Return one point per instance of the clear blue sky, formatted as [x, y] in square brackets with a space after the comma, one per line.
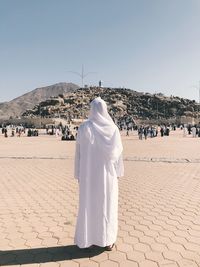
[146, 45]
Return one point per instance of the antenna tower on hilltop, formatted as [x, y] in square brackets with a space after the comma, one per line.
[82, 74]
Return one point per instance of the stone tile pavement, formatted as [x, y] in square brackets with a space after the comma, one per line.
[159, 207]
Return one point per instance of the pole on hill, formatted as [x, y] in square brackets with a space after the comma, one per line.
[82, 74]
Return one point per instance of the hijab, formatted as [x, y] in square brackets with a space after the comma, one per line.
[103, 131]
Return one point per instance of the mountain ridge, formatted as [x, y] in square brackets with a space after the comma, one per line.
[18, 105]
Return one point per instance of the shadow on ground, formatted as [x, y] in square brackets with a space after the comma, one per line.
[42, 255]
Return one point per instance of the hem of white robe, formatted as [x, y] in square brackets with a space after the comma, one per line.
[94, 244]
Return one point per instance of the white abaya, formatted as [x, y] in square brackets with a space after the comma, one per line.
[98, 163]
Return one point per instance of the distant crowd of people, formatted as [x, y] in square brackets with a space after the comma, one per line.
[15, 131]
[12, 131]
[148, 131]
[164, 130]
[69, 132]
[66, 132]
[193, 130]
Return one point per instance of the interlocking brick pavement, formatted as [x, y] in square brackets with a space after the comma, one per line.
[159, 204]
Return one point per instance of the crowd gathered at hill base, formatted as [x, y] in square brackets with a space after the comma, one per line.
[69, 132]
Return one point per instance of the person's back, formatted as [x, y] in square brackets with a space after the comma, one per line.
[98, 163]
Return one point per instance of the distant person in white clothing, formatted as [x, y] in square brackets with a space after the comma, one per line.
[57, 132]
[185, 131]
[98, 164]
[194, 131]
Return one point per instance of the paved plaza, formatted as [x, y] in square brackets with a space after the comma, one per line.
[159, 204]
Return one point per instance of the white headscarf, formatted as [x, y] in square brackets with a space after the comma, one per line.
[103, 131]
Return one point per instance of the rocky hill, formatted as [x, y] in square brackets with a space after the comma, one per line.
[20, 104]
[123, 104]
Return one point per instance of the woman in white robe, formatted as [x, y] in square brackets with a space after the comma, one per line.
[98, 164]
